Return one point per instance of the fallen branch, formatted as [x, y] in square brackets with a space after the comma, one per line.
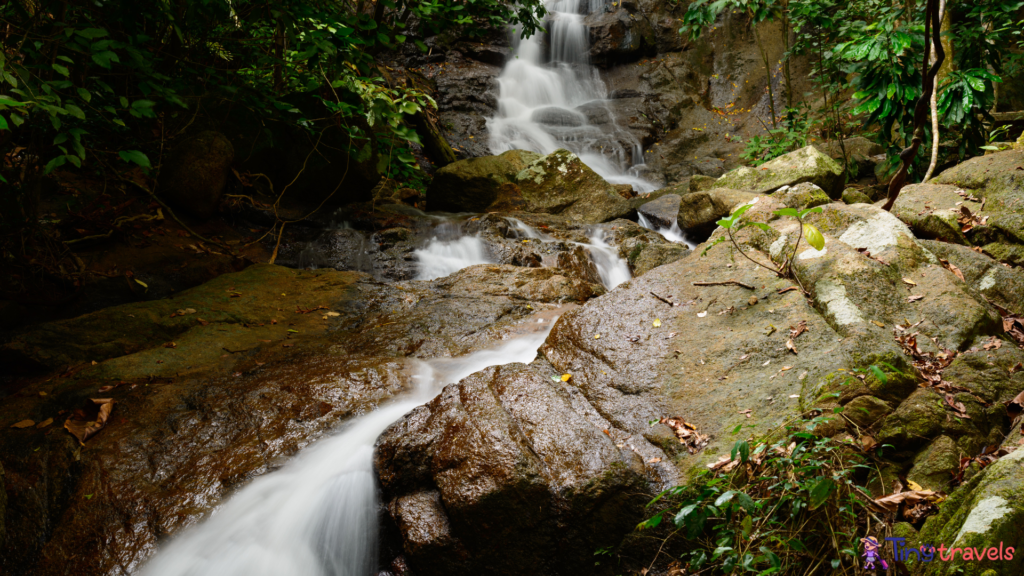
[663, 299]
[726, 283]
[175, 216]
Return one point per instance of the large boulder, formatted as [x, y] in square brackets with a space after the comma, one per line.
[196, 172]
[477, 184]
[998, 179]
[859, 152]
[700, 210]
[803, 165]
[560, 183]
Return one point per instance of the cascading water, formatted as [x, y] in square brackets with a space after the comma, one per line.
[317, 516]
[448, 251]
[543, 107]
[610, 266]
[673, 233]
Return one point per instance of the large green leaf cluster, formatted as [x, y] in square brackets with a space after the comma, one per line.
[112, 80]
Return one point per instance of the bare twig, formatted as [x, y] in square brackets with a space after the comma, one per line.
[726, 283]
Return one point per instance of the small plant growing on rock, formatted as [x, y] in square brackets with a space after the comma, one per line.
[735, 222]
[770, 507]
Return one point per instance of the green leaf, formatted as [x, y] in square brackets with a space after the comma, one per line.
[135, 156]
[725, 497]
[92, 33]
[739, 211]
[5, 101]
[62, 70]
[75, 111]
[84, 94]
[53, 164]
[791, 212]
[813, 236]
[105, 58]
[877, 372]
[3, 123]
[820, 492]
[815, 210]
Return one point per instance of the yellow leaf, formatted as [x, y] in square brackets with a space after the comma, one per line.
[657, 323]
[24, 424]
[910, 282]
[566, 377]
[141, 283]
[877, 323]
[596, 336]
[914, 485]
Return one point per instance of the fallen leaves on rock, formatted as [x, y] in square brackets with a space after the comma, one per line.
[790, 346]
[928, 364]
[911, 505]
[170, 345]
[24, 424]
[300, 310]
[958, 407]
[184, 312]
[84, 423]
[687, 434]
[988, 455]
[657, 323]
[795, 331]
[969, 220]
[994, 343]
[1015, 407]
[45, 423]
[952, 268]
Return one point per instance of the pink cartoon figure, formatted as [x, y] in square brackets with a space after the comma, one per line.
[871, 547]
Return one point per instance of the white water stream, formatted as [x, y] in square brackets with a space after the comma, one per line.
[549, 94]
[317, 516]
[673, 233]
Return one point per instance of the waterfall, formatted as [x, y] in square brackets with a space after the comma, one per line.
[673, 233]
[317, 516]
[610, 266]
[448, 251]
[548, 101]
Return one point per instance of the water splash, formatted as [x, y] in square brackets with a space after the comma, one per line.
[673, 233]
[610, 266]
[548, 101]
[317, 516]
[448, 251]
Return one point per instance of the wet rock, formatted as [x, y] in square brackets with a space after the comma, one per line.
[663, 211]
[644, 249]
[467, 96]
[477, 184]
[614, 35]
[700, 210]
[426, 534]
[519, 467]
[517, 283]
[804, 165]
[560, 183]
[196, 171]
[555, 116]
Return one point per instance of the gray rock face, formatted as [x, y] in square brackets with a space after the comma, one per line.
[663, 211]
[804, 165]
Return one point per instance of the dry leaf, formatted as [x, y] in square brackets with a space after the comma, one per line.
[702, 314]
[657, 323]
[797, 330]
[909, 282]
[789, 345]
[24, 424]
[45, 423]
[566, 377]
[877, 323]
[654, 460]
[914, 298]
[170, 345]
[85, 423]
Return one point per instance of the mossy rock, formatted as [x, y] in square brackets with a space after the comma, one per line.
[803, 165]
[934, 466]
[700, 183]
[803, 195]
[477, 184]
[854, 196]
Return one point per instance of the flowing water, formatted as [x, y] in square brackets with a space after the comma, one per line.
[673, 233]
[317, 516]
[550, 97]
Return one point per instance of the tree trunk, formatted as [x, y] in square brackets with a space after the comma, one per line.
[434, 143]
[944, 70]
